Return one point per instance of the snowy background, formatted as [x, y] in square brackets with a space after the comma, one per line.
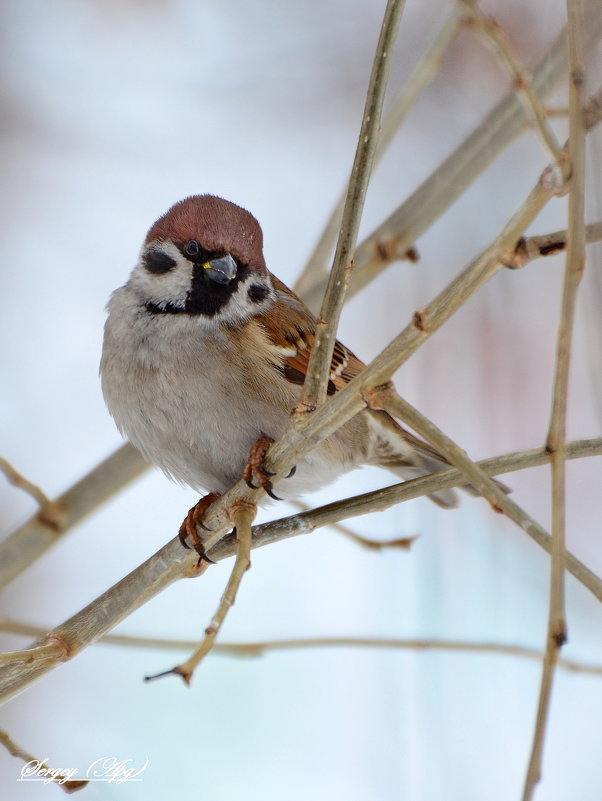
[111, 112]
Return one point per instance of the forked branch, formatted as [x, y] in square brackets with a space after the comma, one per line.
[522, 81]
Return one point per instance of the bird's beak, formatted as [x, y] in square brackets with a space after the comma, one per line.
[221, 270]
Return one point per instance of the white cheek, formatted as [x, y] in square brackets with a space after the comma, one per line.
[162, 288]
[239, 308]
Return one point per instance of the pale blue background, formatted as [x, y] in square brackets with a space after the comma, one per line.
[114, 110]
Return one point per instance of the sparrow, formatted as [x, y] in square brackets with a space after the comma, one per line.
[204, 356]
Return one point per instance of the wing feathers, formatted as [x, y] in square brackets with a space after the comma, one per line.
[290, 326]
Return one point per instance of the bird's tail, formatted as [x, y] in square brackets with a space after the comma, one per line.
[398, 450]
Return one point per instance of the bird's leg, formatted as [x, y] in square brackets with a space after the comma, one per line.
[256, 468]
[188, 529]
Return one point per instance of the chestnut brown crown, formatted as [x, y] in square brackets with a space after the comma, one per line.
[216, 224]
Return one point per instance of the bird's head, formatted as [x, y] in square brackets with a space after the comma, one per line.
[204, 257]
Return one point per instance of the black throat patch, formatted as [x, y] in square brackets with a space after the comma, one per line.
[205, 296]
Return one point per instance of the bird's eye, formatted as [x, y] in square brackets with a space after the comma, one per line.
[157, 261]
[191, 248]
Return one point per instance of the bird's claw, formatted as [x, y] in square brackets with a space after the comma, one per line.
[255, 467]
[188, 535]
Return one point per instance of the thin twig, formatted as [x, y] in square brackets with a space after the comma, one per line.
[260, 647]
[51, 513]
[575, 263]
[556, 439]
[400, 543]
[21, 548]
[318, 368]
[495, 36]
[534, 247]
[172, 562]
[543, 707]
[61, 779]
[424, 72]
[242, 518]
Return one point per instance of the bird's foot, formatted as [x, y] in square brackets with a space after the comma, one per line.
[256, 469]
[188, 530]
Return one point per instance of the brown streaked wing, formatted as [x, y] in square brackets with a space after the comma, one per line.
[290, 326]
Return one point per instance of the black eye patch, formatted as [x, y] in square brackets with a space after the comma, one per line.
[257, 292]
[157, 261]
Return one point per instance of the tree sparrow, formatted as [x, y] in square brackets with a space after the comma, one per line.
[205, 352]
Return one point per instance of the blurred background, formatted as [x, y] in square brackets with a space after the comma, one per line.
[112, 111]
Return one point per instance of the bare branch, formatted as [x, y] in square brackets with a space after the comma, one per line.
[51, 513]
[19, 550]
[402, 543]
[575, 263]
[260, 647]
[318, 369]
[534, 247]
[496, 37]
[556, 440]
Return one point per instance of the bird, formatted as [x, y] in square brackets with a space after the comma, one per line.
[204, 355]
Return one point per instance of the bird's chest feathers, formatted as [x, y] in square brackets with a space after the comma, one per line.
[203, 390]
[194, 401]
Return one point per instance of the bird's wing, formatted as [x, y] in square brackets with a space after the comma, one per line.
[290, 326]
